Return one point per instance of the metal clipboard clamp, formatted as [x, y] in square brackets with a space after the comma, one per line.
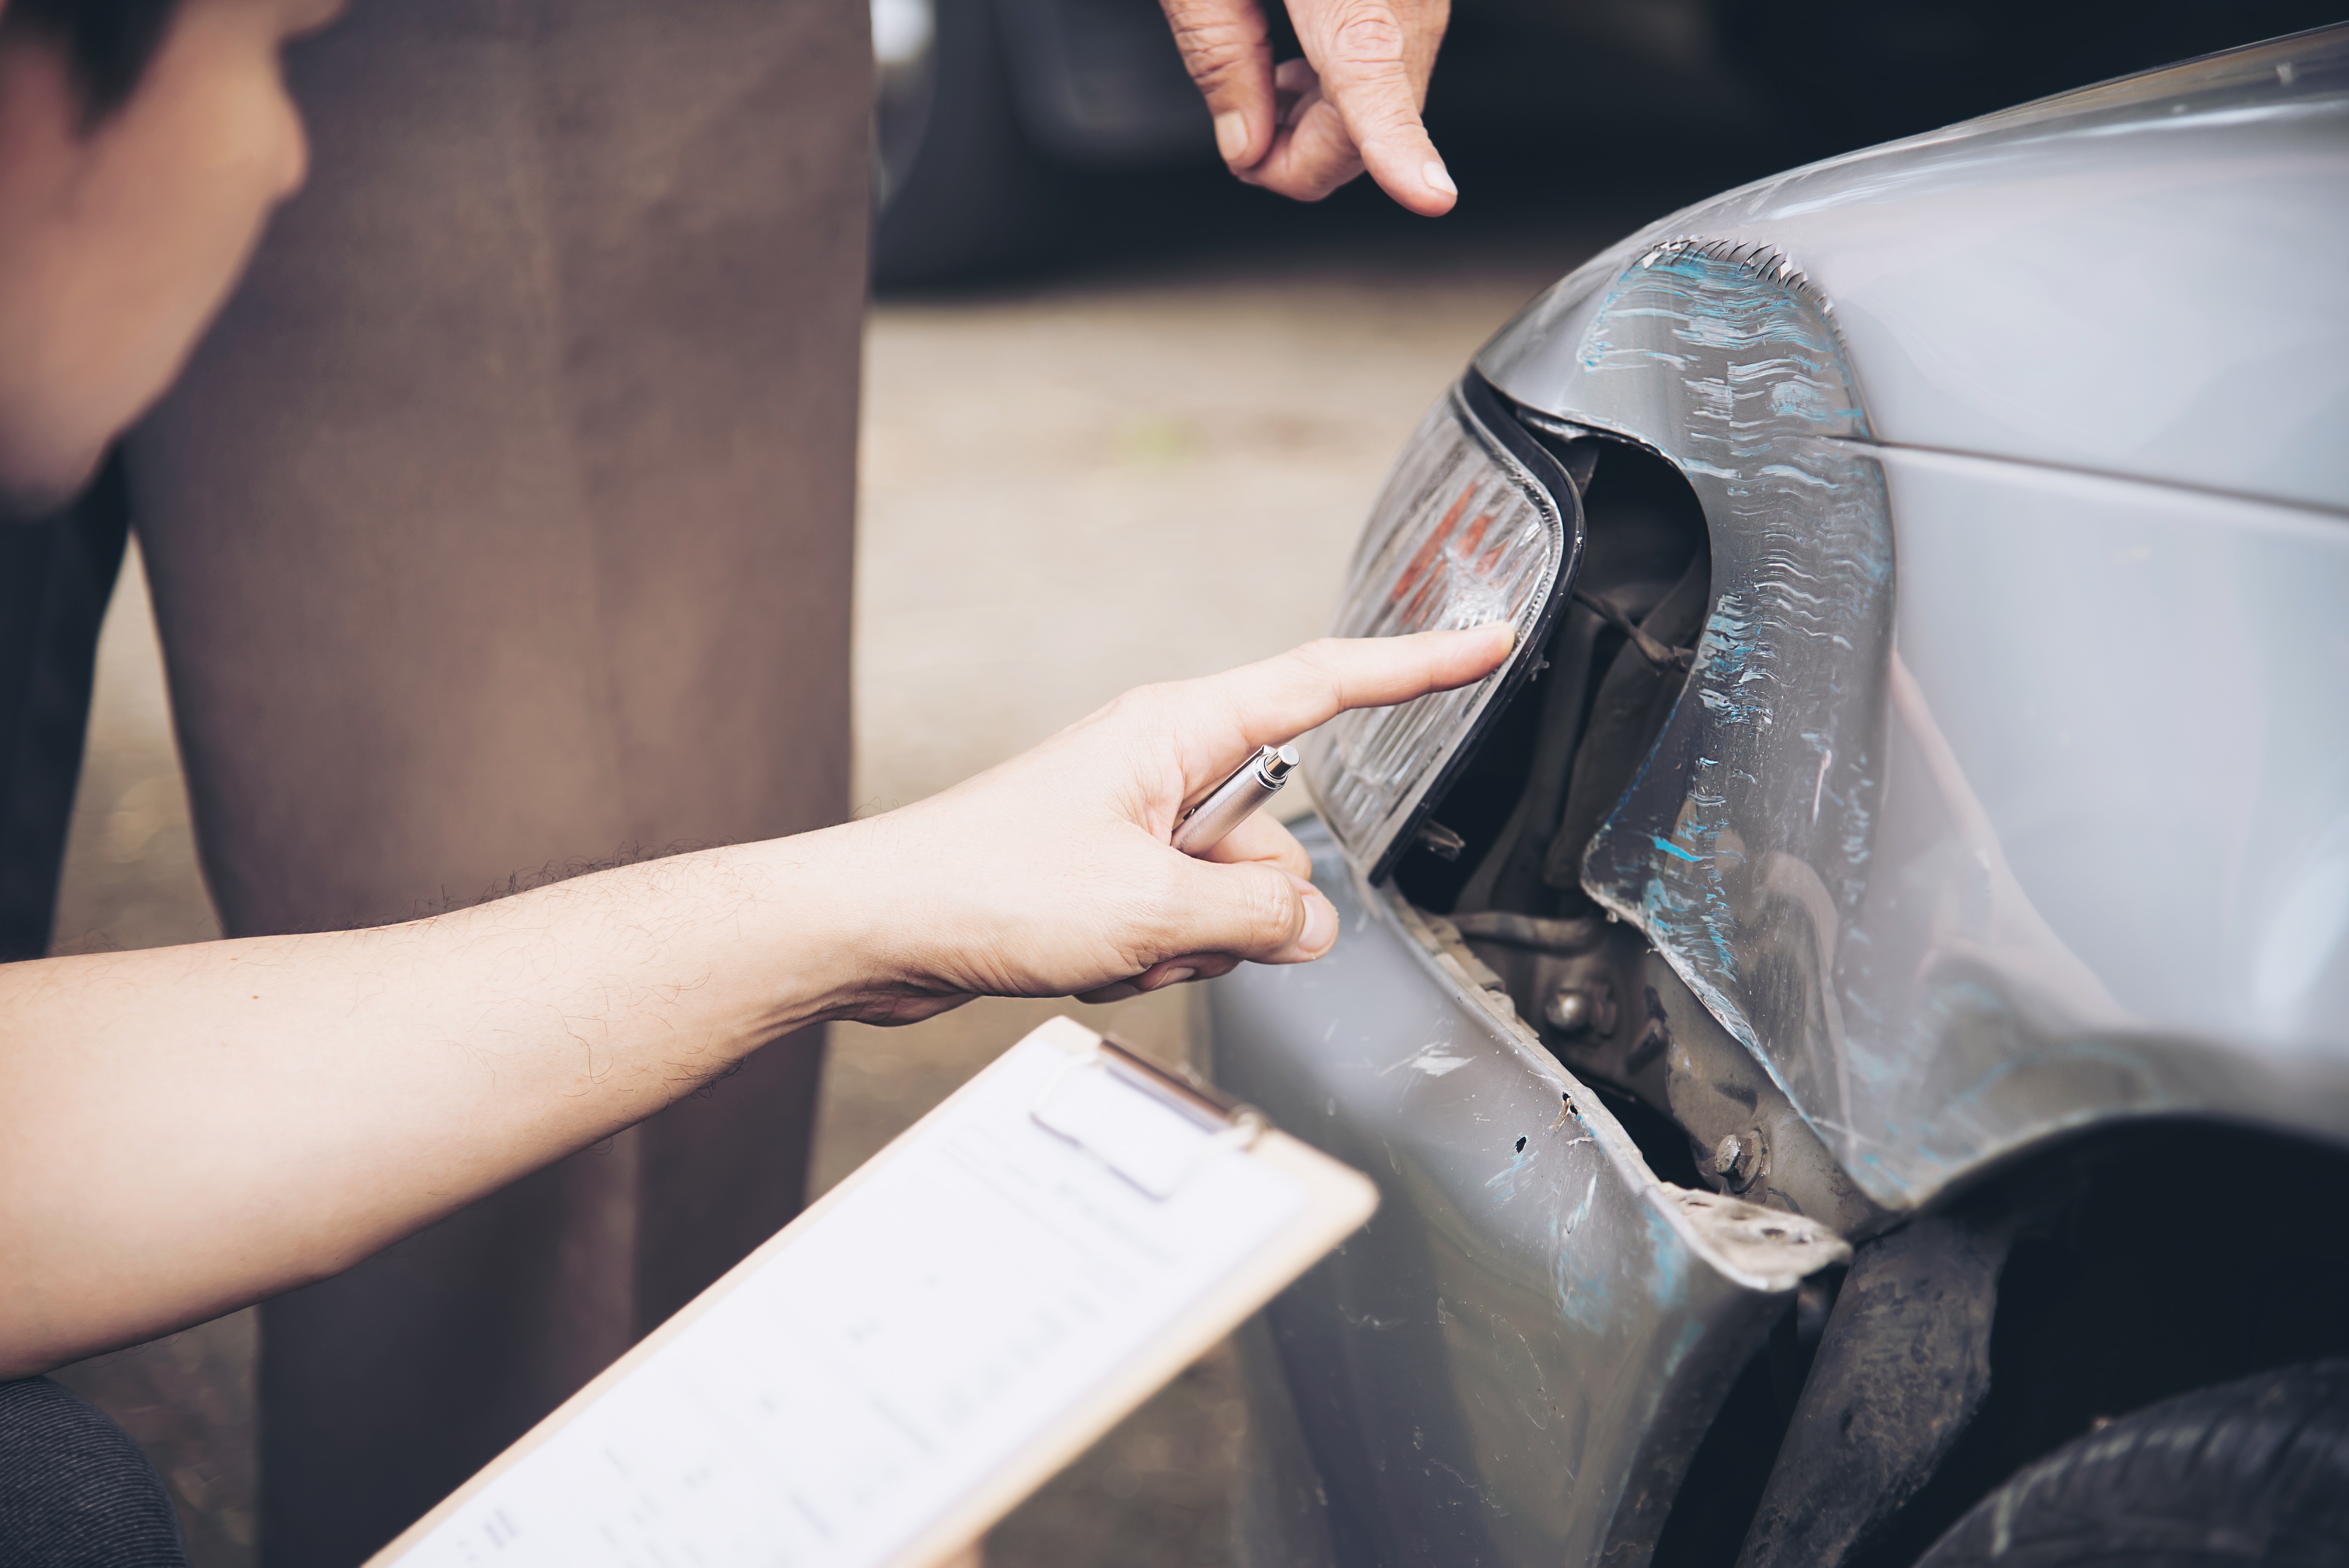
[1152, 1125]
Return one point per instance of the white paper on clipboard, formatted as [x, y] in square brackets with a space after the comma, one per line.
[902, 1364]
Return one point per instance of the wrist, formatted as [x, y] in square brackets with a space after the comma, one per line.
[846, 933]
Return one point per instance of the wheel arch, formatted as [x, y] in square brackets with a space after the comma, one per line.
[2099, 1271]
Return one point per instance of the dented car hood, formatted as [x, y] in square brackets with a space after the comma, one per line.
[2144, 279]
[2010, 793]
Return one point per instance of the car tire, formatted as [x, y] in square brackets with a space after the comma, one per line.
[958, 190]
[2255, 1471]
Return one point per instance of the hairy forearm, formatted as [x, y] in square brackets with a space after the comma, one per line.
[189, 1129]
[186, 1129]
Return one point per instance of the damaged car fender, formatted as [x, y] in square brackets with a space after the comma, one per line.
[1513, 1361]
[2057, 833]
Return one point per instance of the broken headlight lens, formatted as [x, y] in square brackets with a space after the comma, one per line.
[1477, 524]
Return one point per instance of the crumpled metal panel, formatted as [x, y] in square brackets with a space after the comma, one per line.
[1741, 848]
[2056, 860]
[2074, 851]
[2074, 846]
[1513, 1361]
[2143, 278]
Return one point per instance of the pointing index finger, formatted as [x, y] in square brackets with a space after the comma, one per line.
[1373, 61]
[1282, 698]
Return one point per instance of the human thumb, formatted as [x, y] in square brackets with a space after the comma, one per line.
[1253, 911]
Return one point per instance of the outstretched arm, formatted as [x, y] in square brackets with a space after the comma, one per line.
[186, 1129]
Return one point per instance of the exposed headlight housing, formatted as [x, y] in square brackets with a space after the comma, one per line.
[1477, 524]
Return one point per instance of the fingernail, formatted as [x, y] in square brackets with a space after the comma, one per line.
[1320, 919]
[1320, 926]
[1431, 171]
[1231, 135]
[1175, 976]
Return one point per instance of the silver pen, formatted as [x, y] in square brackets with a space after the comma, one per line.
[1254, 782]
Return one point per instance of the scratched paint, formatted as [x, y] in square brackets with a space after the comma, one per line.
[1510, 1180]
[1479, 1375]
[1742, 849]
[1583, 1278]
[1432, 1059]
[1509, 1417]
[1882, 954]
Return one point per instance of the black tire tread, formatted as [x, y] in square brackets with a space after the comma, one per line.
[2254, 1472]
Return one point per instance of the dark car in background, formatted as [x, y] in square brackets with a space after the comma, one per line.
[991, 114]
[1851, 1024]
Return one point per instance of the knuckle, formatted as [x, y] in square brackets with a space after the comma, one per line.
[1314, 181]
[1368, 36]
[1271, 915]
[1143, 706]
[1218, 51]
[1323, 658]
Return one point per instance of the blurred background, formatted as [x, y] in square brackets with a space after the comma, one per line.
[1002, 125]
[1123, 418]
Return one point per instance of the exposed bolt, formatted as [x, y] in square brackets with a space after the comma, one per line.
[1579, 1008]
[1570, 1010]
[1737, 1159]
[1440, 841]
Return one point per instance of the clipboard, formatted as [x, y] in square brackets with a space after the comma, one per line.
[932, 1340]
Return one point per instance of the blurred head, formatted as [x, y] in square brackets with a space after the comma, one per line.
[142, 144]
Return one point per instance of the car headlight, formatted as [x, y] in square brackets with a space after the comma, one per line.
[1477, 524]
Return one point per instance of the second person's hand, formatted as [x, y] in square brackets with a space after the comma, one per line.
[1352, 102]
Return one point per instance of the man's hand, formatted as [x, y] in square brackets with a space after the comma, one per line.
[1351, 103]
[190, 1128]
[1051, 874]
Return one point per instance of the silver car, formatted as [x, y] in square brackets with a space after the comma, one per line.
[1852, 1024]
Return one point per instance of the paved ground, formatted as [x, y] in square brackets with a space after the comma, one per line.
[1151, 469]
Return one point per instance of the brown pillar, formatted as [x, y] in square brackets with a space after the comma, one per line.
[503, 524]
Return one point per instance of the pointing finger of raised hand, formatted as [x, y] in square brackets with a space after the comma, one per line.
[1373, 61]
